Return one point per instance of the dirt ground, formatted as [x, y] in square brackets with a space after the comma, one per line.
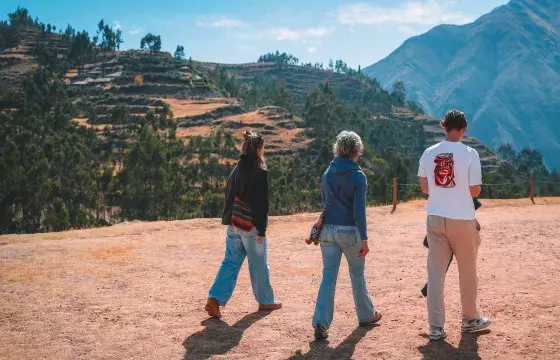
[182, 108]
[137, 291]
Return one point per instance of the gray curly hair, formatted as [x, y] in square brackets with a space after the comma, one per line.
[347, 144]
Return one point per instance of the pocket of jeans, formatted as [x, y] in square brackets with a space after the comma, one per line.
[252, 233]
[326, 234]
[347, 237]
[230, 231]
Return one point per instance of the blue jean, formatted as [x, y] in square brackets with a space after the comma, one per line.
[335, 241]
[241, 244]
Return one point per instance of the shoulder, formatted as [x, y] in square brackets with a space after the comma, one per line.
[431, 150]
[472, 152]
[426, 154]
[359, 177]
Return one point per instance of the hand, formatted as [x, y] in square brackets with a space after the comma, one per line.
[260, 239]
[364, 250]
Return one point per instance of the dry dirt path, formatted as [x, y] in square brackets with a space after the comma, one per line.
[137, 291]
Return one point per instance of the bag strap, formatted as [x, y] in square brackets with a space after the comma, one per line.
[337, 189]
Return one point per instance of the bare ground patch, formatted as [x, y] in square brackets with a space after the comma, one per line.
[137, 291]
[186, 107]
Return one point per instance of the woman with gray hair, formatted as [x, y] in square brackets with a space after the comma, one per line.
[344, 231]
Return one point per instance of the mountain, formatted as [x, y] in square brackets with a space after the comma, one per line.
[503, 70]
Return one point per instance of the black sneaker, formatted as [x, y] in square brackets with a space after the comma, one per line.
[321, 333]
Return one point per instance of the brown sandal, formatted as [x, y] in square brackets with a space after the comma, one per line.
[213, 308]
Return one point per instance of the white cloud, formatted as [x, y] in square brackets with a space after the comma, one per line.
[117, 25]
[293, 35]
[246, 36]
[134, 31]
[407, 30]
[219, 22]
[246, 48]
[286, 34]
[428, 12]
[312, 49]
[320, 31]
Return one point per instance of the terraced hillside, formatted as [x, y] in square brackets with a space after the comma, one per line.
[299, 79]
[185, 88]
[142, 82]
[18, 61]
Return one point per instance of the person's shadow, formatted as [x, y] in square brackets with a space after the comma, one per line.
[442, 350]
[218, 337]
[321, 349]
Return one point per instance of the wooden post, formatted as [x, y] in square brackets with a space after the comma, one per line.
[532, 193]
[394, 195]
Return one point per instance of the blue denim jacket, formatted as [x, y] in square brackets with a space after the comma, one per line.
[349, 206]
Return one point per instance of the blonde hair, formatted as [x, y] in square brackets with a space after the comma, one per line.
[348, 144]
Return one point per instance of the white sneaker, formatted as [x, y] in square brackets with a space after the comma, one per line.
[437, 333]
[477, 324]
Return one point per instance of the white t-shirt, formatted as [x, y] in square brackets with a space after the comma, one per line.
[451, 168]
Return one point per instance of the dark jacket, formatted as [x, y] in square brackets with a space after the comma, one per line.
[250, 183]
[348, 207]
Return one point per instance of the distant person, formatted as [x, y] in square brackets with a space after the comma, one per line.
[450, 173]
[246, 217]
[344, 188]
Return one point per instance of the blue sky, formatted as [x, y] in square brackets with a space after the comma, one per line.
[359, 32]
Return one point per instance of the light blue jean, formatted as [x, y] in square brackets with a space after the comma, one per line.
[241, 244]
[335, 241]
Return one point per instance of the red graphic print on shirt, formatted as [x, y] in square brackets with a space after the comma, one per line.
[444, 170]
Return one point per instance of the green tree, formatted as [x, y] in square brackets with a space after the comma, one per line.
[119, 118]
[80, 51]
[282, 97]
[20, 17]
[399, 93]
[106, 38]
[151, 42]
[179, 52]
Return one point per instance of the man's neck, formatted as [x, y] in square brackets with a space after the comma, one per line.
[453, 139]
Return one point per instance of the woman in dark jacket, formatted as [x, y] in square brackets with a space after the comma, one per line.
[246, 217]
[344, 188]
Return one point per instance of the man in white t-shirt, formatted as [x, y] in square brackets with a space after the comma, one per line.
[450, 174]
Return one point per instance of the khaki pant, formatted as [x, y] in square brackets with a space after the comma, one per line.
[460, 237]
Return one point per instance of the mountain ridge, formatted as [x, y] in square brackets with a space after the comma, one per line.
[503, 70]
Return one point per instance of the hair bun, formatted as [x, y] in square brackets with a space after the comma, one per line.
[246, 135]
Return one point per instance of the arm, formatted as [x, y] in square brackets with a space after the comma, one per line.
[360, 192]
[424, 185]
[475, 175]
[229, 197]
[261, 204]
[423, 176]
[323, 198]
